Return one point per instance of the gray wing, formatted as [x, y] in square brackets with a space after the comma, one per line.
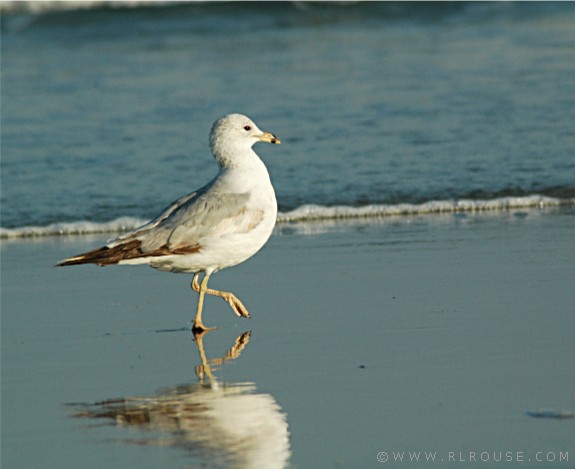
[141, 231]
[205, 213]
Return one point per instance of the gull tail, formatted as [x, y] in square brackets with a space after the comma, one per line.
[106, 255]
[130, 250]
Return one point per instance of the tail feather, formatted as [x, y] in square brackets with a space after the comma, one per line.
[106, 255]
[128, 250]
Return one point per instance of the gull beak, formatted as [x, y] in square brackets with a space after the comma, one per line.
[269, 138]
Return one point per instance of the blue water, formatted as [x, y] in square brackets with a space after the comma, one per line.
[106, 111]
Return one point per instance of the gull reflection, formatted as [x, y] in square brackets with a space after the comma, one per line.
[222, 424]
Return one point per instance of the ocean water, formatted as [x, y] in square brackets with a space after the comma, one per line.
[382, 108]
[429, 148]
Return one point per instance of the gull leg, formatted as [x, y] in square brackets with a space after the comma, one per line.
[202, 289]
[232, 299]
[195, 284]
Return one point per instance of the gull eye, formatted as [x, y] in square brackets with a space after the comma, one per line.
[247, 128]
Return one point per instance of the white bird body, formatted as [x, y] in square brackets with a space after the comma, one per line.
[237, 214]
[220, 225]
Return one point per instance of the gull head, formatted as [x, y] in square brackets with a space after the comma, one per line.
[235, 134]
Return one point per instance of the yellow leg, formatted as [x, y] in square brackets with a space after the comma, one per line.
[232, 299]
[202, 289]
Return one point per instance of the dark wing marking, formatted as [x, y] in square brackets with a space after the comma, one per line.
[121, 252]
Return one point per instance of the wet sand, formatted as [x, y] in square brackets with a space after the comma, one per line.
[449, 336]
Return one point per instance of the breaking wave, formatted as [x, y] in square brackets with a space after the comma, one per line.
[308, 213]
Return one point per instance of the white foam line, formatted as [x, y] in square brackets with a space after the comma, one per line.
[309, 213]
[73, 228]
[46, 6]
[318, 212]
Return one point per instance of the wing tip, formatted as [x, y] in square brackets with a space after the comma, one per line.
[69, 261]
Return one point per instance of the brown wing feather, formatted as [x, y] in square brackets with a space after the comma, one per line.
[129, 250]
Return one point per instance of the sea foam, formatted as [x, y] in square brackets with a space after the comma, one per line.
[43, 6]
[72, 228]
[309, 213]
[318, 212]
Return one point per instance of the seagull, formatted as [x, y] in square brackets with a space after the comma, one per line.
[217, 226]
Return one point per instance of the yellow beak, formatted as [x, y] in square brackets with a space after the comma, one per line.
[269, 138]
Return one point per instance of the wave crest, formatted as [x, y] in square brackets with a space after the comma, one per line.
[72, 228]
[310, 213]
[318, 212]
